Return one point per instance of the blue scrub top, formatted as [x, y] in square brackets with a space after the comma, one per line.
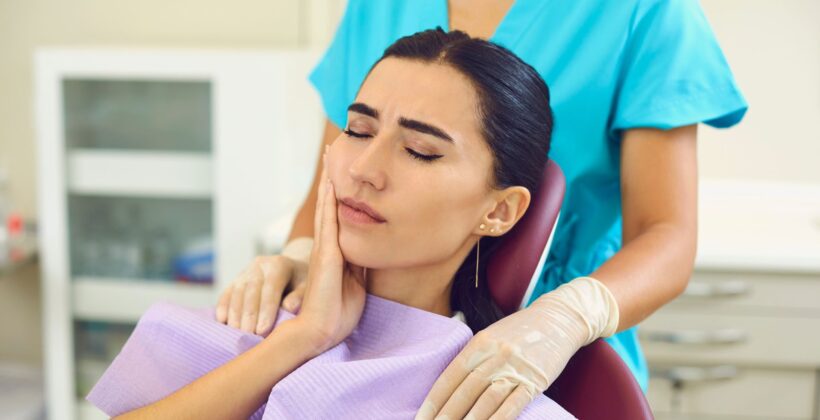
[610, 66]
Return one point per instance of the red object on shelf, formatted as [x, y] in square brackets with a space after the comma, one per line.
[14, 224]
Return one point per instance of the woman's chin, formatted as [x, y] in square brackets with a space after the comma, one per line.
[357, 250]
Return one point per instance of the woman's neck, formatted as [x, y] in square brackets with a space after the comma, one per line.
[424, 287]
[412, 287]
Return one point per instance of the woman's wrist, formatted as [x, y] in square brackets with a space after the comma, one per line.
[299, 337]
[587, 301]
[303, 336]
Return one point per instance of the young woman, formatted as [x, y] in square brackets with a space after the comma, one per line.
[447, 137]
[630, 80]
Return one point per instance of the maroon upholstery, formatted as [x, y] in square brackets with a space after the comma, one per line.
[596, 383]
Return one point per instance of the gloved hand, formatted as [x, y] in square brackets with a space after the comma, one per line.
[251, 301]
[506, 365]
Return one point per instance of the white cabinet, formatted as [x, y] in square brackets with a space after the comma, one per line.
[157, 170]
[743, 341]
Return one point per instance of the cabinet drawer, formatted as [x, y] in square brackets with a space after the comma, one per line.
[670, 336]
[750, 393]
[715, 290]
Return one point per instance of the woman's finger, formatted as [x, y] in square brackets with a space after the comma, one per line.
[250, 301]
[316, 253]
[513, 405]
[330, 227]
[492, 398]
[235, 310]
[320, 193]
[327, 236]
[222, 306]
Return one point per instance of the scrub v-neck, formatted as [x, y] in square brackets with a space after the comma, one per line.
[509, 28]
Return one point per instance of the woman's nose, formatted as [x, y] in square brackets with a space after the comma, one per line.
[369, 165]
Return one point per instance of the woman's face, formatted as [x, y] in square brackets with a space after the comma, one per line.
[429, 207]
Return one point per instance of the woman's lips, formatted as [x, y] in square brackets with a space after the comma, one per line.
[356, 216]
[362, 207]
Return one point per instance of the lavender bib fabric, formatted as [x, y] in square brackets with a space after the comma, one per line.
[383, 370]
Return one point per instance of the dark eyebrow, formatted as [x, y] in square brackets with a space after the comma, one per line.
[425, 128]
[363, 109]
[416, 125]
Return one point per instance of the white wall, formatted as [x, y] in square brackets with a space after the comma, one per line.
[774, 50]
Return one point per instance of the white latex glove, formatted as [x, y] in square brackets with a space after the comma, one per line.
[251, 301]
[506, 365]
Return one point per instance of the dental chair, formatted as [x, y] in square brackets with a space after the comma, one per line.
[596, 383]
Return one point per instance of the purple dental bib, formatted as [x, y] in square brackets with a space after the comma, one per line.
[383, 370]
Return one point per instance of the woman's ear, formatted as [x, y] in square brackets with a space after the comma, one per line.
[510, 205]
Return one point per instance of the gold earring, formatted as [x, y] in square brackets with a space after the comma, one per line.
[482, 226]
[477, 255]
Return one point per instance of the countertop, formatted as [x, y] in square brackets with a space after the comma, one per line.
[758, 226]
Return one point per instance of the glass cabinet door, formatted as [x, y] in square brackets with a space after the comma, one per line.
[139, 208]
[126, 142]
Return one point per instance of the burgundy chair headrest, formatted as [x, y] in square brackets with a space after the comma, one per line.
[597, 384]
[515, 266]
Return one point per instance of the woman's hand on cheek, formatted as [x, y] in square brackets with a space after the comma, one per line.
[335, 289]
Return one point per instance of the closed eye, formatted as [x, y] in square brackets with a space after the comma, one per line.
[414, 154]
[355, 134]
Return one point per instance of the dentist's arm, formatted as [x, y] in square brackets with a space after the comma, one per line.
[659, 181]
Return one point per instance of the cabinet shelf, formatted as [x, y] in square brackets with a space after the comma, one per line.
[125, 300]
[140, 173]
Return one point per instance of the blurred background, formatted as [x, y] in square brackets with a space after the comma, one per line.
[124, 136]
